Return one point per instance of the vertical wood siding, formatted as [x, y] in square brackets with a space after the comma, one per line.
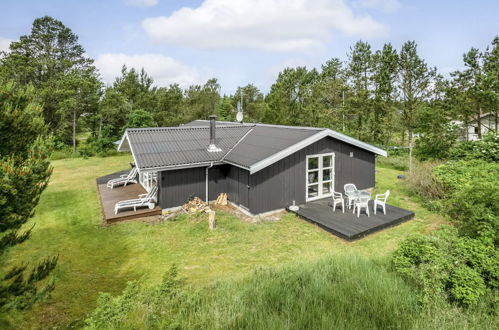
[278, 185]
[275, 186]
[177, 186]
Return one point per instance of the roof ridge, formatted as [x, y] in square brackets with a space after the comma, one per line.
[165, 128]
[237, 143]
[269, 125]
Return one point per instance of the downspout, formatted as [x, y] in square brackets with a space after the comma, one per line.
[207, 180]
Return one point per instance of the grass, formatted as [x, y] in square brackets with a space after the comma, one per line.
[335, 292]
[94, 258]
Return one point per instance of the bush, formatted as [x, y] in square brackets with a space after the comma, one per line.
[485, 149]
[472, 197]
[460, 264]
[444, 265]
[466, 285]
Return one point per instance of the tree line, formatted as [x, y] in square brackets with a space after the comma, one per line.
[383, 96]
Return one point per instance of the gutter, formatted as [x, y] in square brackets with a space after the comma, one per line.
[207, 180]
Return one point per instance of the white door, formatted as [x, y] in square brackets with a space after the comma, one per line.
[319, 176]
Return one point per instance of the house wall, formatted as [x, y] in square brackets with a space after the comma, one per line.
[470, 132]
[177, 186]
[277, 185]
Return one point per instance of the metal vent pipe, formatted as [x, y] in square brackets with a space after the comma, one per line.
[213, 118]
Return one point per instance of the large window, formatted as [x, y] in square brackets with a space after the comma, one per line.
[320, 176]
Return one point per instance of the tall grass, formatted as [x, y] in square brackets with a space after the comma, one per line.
[336, 292]
[424, 183]
[347, 292]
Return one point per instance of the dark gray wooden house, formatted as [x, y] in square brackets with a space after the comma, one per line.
[261, 167]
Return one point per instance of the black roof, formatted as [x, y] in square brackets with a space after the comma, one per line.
[263, 141]
[250, 146]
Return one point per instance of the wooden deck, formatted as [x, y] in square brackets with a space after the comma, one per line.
[109, 197]
[347, 225]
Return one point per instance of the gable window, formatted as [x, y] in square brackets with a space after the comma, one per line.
[320, 176]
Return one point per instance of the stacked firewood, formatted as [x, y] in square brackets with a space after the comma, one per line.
[221, 199]
[196, 205]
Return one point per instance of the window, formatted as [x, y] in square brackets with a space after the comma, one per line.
[148, 179]
[320, 176]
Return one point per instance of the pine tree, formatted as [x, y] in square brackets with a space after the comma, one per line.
[49, 58]
[385, 65]
[415, 81]
[359, 76]
[24, 174]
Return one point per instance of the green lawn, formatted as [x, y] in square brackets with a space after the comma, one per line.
[95, 258]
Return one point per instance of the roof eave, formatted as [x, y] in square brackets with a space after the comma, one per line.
[180, 166]
[308, 141]
[357, 143]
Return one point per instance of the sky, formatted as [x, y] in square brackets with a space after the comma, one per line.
[251, 41]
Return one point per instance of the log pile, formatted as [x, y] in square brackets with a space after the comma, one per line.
[196, 205]
[221, 199]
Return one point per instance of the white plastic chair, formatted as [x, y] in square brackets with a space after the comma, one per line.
[123, 179]
[148, 200]
[361, 202]
[349, 188]
[338, 199]
[381, 201]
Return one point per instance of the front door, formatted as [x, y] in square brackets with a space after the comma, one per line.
[319, 176]
[243, 188]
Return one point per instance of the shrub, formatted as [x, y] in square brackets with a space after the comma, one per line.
[461, 264]
[485, 149]
[444, 265]
[466, 285]
[472, 198]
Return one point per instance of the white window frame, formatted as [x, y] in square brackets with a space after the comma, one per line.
[148, 180]
[320, 180]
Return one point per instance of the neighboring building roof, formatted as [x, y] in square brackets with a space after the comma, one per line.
[250, 146]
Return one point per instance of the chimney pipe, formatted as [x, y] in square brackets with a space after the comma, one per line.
[212, 147]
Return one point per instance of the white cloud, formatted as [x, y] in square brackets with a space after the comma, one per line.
[276, 25]
[143, 3]
[386, 5]
[163, 69]
[4, 44]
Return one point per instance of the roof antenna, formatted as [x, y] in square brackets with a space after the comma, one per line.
[239, 115]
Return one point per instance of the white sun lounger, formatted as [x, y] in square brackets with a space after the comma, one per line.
[148, 200]
[123, 179]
